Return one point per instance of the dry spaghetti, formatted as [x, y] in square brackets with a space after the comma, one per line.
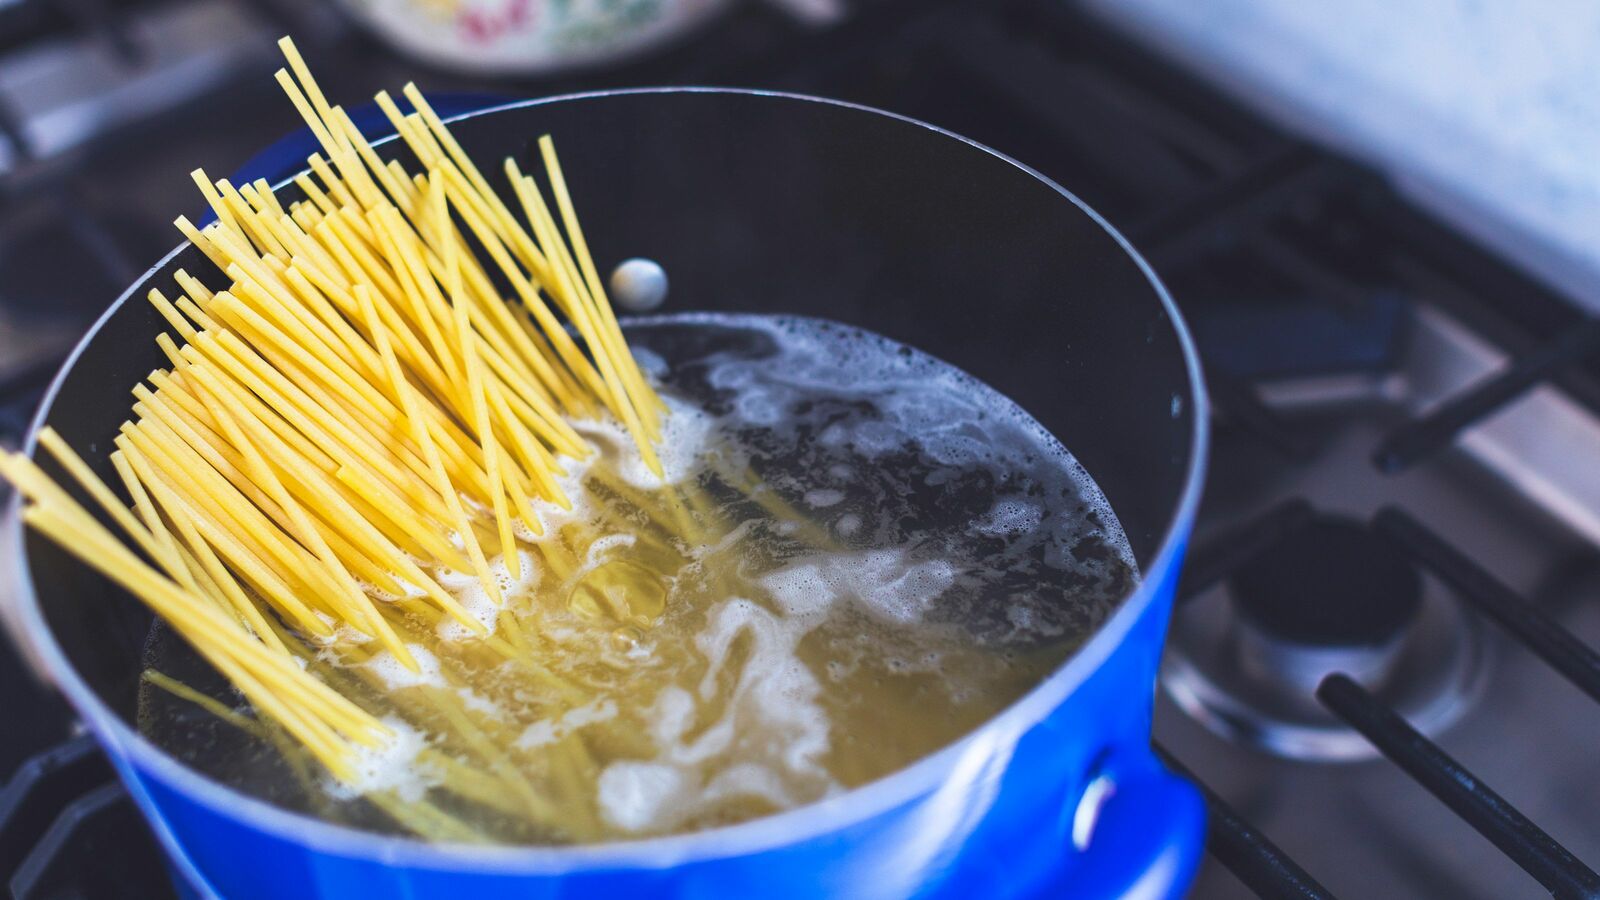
[356, 411]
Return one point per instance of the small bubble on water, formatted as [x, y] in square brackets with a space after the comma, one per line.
[626, 639]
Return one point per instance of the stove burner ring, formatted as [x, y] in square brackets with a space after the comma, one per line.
[1334, 596]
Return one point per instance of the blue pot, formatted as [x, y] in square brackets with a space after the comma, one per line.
[771, 203]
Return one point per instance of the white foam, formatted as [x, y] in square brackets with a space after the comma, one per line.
[475, 701]
[551, 515]
[803, 591]
[822, 498]
[890, 587]
[748, 780]
[548, 731]
[1009, 517]
[395, 675]
[599, 710]
[686, 433]
[888, 584]
[1025, 619]
[392, 765]
[639, 795]
[469, 591]
[772, 731]
[538, 734]
[600, 549]
[346, 634]
[921, 403]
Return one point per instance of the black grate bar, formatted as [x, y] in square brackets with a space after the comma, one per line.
[26, 882]
[1108, 134]
[74, 857]
[1524, 842]
[38, 789]
[1237, 400]
[107, 23]
[14, 386]
[1219, 556]
[11, 129]
[1294, 264]
[1250, 855]
[1574, 659]
[273, 14]
[1232, 206]
[95, 239]
[1422, 437]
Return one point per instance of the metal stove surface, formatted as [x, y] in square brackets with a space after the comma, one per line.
[1336, 322]
[1363, 827]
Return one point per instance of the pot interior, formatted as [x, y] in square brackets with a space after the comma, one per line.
[762, 203]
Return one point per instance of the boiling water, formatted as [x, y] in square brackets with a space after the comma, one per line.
[857, 555]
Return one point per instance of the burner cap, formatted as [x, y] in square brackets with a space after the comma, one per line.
[1332, 583]
[1331, 596]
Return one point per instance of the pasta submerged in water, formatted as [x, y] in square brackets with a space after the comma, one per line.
[479, 575]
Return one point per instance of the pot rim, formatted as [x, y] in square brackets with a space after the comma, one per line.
[757, 835]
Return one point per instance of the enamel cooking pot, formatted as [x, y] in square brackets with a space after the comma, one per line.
[768, 203]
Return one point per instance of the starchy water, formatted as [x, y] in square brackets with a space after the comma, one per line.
[857, 554]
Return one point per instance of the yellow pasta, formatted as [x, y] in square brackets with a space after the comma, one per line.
[352, 416]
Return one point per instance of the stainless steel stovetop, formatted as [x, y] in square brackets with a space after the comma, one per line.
[1406, 482]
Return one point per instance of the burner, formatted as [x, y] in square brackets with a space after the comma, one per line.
[65, 263]
[1331, 596]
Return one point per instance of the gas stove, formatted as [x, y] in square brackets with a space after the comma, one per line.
[1381, 668]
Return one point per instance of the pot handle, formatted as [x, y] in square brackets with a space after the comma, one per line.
[1138, 830]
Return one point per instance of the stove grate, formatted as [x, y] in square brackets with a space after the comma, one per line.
[1437, 430]
[1250, 855]
[1474, 801]
[1557, 646]
[1265, 868]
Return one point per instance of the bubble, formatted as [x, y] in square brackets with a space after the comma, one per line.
[627, 639]
[1010, 516]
